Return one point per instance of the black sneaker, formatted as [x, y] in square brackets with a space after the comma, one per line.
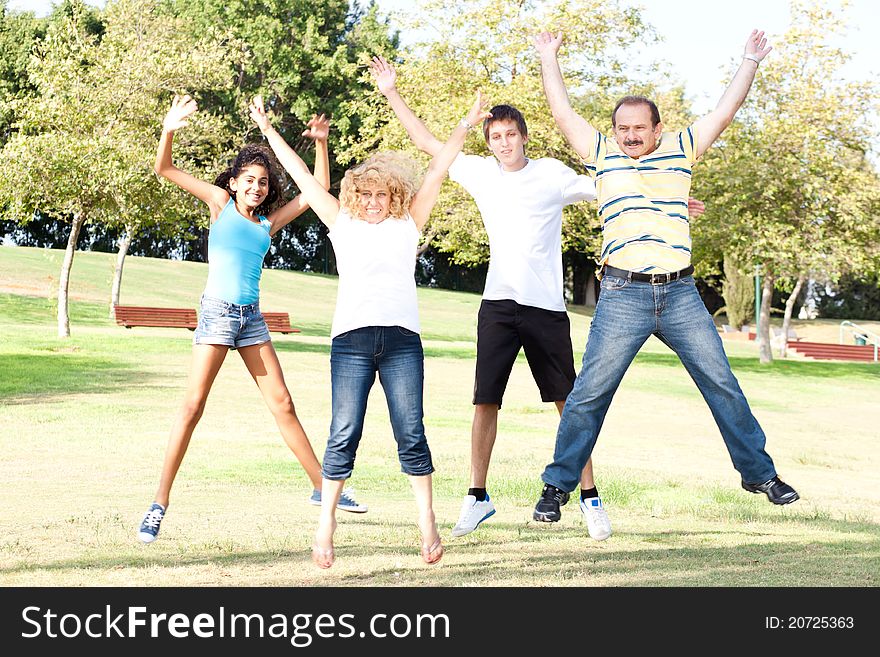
[777, 491]
[547, 508]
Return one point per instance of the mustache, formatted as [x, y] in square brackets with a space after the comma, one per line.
[637, 142]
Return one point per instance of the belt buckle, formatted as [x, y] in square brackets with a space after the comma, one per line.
[661, 279]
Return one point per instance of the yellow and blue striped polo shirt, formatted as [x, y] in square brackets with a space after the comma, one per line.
[643, 203]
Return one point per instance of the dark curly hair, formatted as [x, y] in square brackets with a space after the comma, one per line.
[254, 154]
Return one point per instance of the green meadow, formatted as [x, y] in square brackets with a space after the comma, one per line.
[84, 423]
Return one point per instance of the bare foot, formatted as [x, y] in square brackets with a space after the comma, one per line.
[432, 548]
[322, 548]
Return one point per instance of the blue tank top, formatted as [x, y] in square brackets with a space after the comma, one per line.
[236, 249]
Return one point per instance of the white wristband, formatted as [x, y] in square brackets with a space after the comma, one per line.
[752, 57]
[464, 124]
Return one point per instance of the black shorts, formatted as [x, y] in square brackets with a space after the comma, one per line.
[545, 335]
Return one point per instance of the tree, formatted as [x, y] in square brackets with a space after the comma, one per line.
[794, 188]
[19, 32]
[739, 293]
[855, 297]
[87, 139]
[302, 57]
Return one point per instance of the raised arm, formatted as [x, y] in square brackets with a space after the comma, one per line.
[580, 134]
[181, 109]
[312, 191]
[318, 130]
[423, 201]
[713, 124]
[386, 81]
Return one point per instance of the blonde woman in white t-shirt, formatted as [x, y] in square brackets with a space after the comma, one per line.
[375, 227]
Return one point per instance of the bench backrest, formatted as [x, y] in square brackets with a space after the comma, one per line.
[279, 322]
[129, 316]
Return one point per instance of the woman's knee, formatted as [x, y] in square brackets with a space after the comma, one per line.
[281, 403]
[192, 408]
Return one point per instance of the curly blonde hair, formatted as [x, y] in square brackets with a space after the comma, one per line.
[395, 171]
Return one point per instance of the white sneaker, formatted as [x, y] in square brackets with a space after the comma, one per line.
[472, 514]
[598, 523]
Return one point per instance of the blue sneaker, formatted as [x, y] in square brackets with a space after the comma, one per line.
[346, 501]
[149, 528]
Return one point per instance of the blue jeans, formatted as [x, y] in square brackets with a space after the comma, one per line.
[355, 358]
[627, 314]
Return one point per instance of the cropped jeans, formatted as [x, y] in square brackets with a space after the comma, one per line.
[627, 314]
[395, 353]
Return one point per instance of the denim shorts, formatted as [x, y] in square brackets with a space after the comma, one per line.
[221, 322]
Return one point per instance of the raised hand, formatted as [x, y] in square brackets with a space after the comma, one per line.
[478, 111]
[547, 44]
[182, 107]
[384, 74]
[756, 45]
[258, 114]
[318, 128]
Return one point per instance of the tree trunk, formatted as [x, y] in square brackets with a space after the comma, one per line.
[789, 307]
[426, 243]
[64, 280]
[763, 334]
[124, 243]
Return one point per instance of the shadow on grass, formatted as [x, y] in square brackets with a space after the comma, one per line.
[32, 311]
[297, 347]
[312, 329]
[664, 562]
[793, 368]
[835, 563]
[27, 378]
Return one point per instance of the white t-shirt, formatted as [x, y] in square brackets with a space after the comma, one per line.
[522, 212]
[376, 264]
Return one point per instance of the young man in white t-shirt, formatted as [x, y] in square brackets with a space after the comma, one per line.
[520, 201]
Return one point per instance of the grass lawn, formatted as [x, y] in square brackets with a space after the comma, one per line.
[85, 421]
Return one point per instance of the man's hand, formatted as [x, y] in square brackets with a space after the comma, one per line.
[714, 123]
[384, 75]
[478, 111]
[318, 128]
[181, 109]
[695, 207]
[547, 44]
[756, 45]
[258, 114]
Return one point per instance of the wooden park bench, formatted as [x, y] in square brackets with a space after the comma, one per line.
[129, 316]
[279, 322]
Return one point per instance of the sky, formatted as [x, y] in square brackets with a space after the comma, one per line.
[699, 49]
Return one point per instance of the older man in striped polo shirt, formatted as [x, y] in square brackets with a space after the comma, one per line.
[643, 178]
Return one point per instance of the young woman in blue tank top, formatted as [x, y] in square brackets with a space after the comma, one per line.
[375, 227]
[242, 222]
